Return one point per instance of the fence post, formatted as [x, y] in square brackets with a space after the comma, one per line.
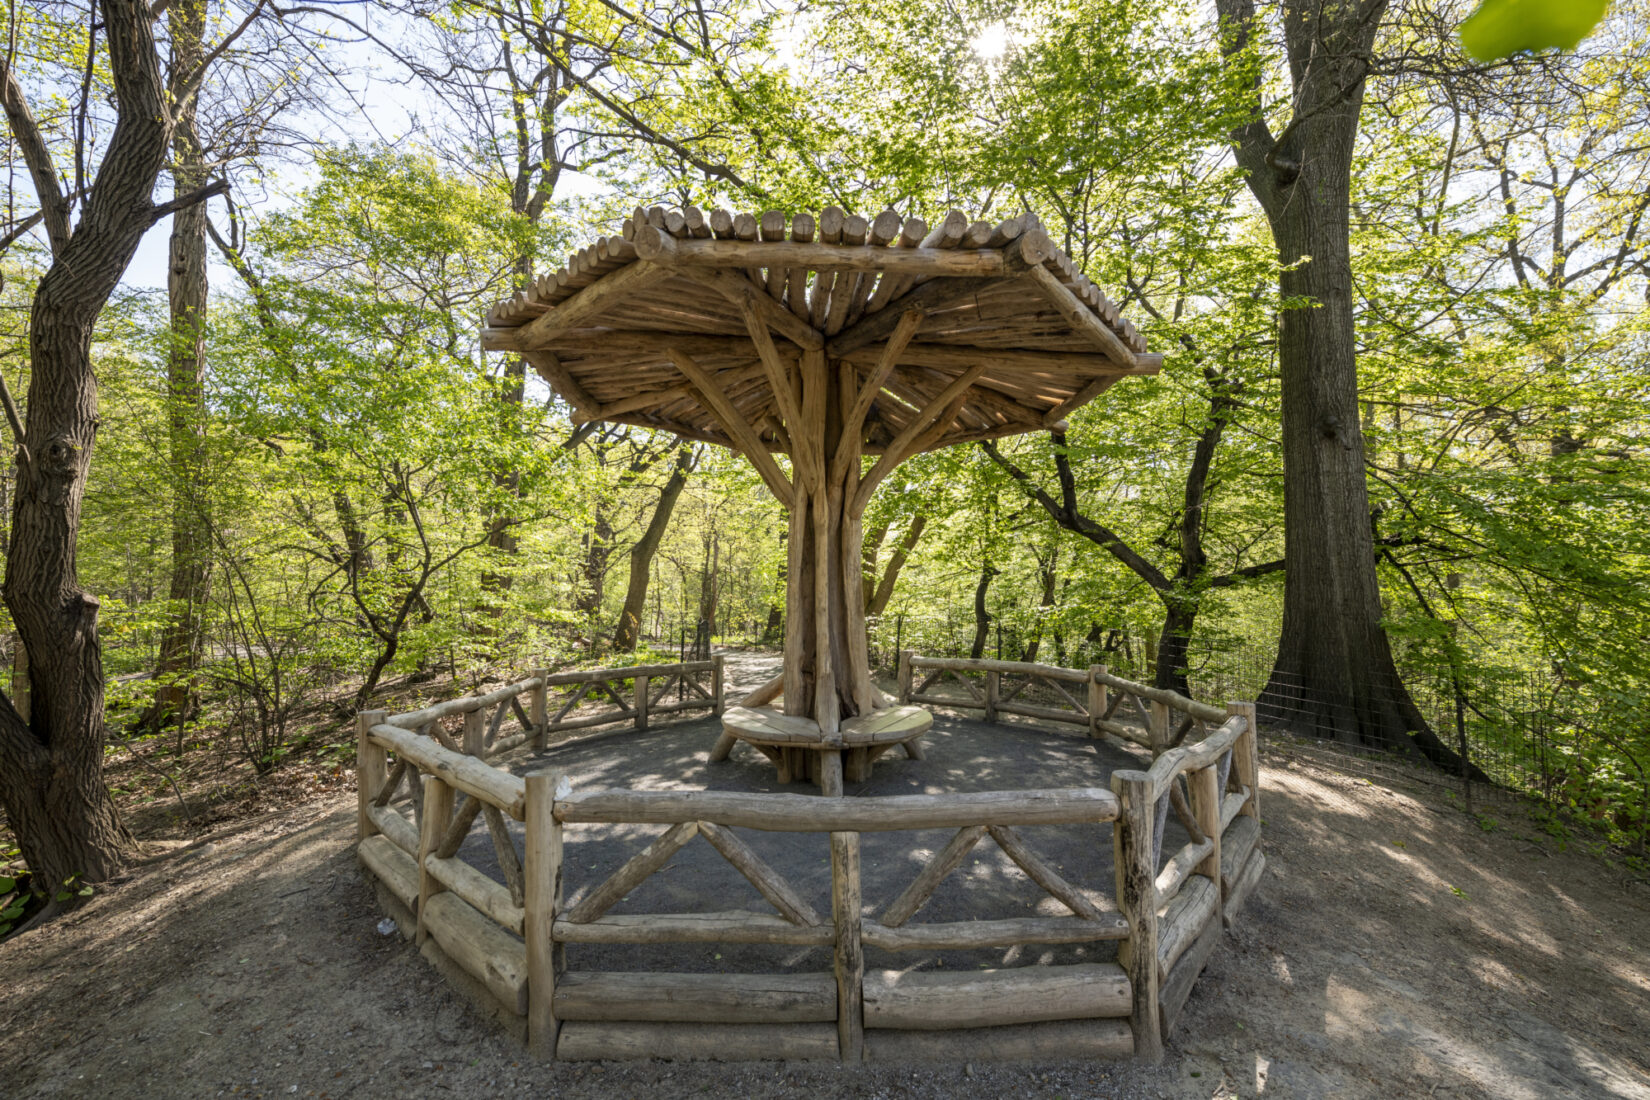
[716, 687]
[1097, 700]
[1246, 756]
[438, 814]
[542, 874]
[538, 709]
[850, 952]
[1137, 897]
[641, 683]
[475, 734]
[1159, 733]
[993, 687]
[1205, 789]
[903, 684]
[371, 770]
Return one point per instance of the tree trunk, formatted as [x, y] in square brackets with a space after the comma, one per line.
[1334, 676]
[884, 592]
[51, 768]
[597, 551]
[1179, 617]
[186, 284]
[628, 632]
[774, 629]
[982, 617]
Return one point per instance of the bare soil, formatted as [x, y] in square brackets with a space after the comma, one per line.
[1396, 947]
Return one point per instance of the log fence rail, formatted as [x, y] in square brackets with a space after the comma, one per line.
[511, 936]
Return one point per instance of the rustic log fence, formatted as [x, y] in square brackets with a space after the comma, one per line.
[510, 936]
[1092, 698]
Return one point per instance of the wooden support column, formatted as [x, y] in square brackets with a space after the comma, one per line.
[1137, 897]
[1205, 787]
[438, 814]
[640, 686]
[1246, 757]
[1158, 734]
[716, 704]
[850, 952]
[903, 684]
[538, 709]
[993, 690]
[543, 873]
[372, 769]
[1097, 700]
[475, 734]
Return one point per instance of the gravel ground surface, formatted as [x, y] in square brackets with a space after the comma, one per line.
[1397, 947]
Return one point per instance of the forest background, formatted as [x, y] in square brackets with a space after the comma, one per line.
[311, 486]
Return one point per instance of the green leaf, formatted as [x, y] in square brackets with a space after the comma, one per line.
[1500, 28]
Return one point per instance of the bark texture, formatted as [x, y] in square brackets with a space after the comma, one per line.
[51, 768]
[629, 630]
[1334, 676]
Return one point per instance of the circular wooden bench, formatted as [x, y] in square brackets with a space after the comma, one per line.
[799, 752]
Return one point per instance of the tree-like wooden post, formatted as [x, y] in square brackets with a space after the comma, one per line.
[641, 688]
[438, 814]
[716, 687]
[1205, 787]
[538, 709]
[475, 734]
[1159, 732]
[850, 952]
[993, 690]
[1246, 757]
[1137, 897]
[904, 677]
[372, 770]
[1097, 700]
[543, 875]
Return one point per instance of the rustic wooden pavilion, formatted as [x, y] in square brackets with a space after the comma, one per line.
[846, 344]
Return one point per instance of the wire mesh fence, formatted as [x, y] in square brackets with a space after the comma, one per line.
[1522, 733]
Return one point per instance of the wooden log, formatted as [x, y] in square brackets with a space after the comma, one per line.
[659, 248]
[642, 700]
[1177, 984]
[485, 951]
[805, 813]
[588, 1041]
[1235, 845]
[1205, 791]
[463, 817]
[1247, 880]
[1013, 668]
[1132, 849]
[968, 935]
[594, 675]
[504, 849]
[993, 688]
[830, 773]
[371, 771]
[438, 811]
[1179, 868]
[1232, 806]
[588, 302]
[1174, 699]
[1182, 923]
[499, 788]
[716, 689]
[1062, 1040]
[637, 868]
[696, 998]
[476, 888]
[395, 828]
[1208, 751]
[543, 875]
[768, 882]
[848, 961]
[733, 926]
[1044, 875]
[1246, 756]
[930, 1000]
[737, 427]
[946, 860]
[394, 868]
[1078, 315]
[1047, 714]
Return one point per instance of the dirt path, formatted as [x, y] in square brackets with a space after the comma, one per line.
[1396, 948]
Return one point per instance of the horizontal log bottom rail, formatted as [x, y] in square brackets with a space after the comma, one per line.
[509, 936]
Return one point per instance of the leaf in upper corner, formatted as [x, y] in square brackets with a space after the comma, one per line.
[1501, 28]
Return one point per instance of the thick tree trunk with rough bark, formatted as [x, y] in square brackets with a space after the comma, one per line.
[628, 632]
[186, 284]
[51, 768]
[1334, 676]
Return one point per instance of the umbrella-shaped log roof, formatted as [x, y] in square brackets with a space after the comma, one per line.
[685, 322]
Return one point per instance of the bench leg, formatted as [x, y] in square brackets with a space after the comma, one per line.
[913, 748]
[830, 773]
[858, 767]
[724, 746]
